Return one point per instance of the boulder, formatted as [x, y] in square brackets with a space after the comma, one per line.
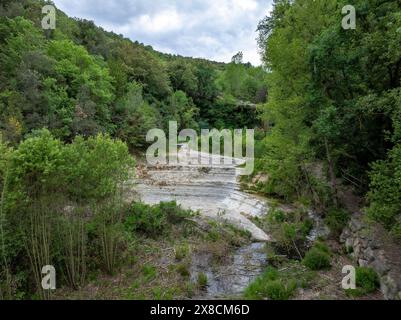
[363, 263]
[389, 288]
[380, 267]
[369, 254]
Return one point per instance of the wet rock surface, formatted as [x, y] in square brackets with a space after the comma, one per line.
[231, 278]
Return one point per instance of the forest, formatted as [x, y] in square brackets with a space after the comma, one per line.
[77, 102]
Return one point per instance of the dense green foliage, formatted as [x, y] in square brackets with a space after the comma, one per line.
[290, 230]
[155, 220]
[367, 281]
[334, 103]
[271, 285]
[53, 194]
[336, 220]
[317, 258]
[81, 80]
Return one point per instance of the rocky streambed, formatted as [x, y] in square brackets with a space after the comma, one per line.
[214, 191]
[230, 279]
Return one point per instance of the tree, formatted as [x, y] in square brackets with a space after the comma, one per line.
[238, 58]
[180, 108]
[134, 117]
[145, 68]
[88, 85]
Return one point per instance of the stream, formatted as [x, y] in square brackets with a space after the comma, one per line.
[232, 278]
[214, 191]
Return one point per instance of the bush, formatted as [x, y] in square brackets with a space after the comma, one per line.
[43, 216]
[154, 220]
[35, 165]
[290, 231]
[202, 280]
[181, 252]
[322, 247]
[280, 289]
[145, 219]
[367, 279]
[94, 168]
[271, 285]
[336, 220]
[317, 259]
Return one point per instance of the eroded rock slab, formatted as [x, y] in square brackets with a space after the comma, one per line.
[205, 183]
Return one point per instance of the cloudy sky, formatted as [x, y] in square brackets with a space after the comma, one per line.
[213, 29]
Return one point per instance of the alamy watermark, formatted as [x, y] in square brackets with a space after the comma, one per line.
[49, 280]
[349, 281]
[349, 20]
[164, 151]
[49, 20]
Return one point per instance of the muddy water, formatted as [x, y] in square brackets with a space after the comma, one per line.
[213, 190]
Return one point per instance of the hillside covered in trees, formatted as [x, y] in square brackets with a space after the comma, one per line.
[334, 98]
[81, 80]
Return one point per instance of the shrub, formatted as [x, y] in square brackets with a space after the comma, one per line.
[96, 167]
[280, 289]
[316, 259]
[271, 285]
[145, 219]
[154, 220]
[256, 290]
[173, 212]
[181, 252]
[322, 247]
[336, 220]
[367, 279]
[183, 270]
[35, 165]
[202, 280]
[290, 231]
[45, 177]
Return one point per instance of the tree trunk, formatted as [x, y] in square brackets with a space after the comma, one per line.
[333, 180]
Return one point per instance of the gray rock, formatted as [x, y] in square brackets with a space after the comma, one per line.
[345, 236]
[369, 254]
[389, 288]
[380, 267]
[356, 225]
[373, 244]
[349, 245]
[363, 263]
[357, 251]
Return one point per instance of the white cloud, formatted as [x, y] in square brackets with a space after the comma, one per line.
[161, 22]
[213, 29]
